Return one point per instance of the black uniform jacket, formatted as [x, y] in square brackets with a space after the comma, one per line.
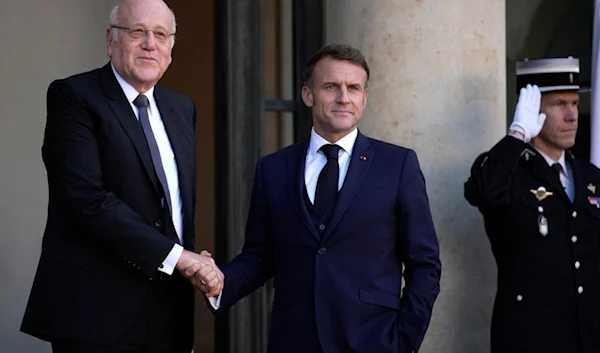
[546, 249]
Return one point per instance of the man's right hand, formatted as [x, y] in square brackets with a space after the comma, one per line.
[202, 271]
[527, 119]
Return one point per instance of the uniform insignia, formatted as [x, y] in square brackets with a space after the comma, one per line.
[592, 188]
[543, 225]
[571, 77]
[594, 200]
[541, 193]
[526, 153]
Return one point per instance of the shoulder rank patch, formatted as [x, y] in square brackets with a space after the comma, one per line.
[526, 153]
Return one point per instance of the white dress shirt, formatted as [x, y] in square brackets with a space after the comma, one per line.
[316, 160]
[168, 162]
[566, 174]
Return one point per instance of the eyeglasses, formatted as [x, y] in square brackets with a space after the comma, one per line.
[138, 33]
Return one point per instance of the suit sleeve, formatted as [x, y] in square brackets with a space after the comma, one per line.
[419, 251]
[492, 174]
[254, 265]
[72, 158]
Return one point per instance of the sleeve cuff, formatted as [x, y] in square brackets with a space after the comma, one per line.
[168, 265]
[216, 302]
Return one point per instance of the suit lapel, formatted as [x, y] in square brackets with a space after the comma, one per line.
[122, 109]
[580, 183]
[296, 163]
[360, 162]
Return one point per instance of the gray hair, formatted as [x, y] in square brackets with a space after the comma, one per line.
[114, 32]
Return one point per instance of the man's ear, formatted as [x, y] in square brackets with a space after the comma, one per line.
[108, 42]
[365, 98]
[307, 96]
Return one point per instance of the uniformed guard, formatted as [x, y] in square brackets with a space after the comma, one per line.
[542, 216]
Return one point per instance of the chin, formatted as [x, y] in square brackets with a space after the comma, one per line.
[344, 126]
[567, 145]
[147, 76]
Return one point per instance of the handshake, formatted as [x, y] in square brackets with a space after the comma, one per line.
[201, 270]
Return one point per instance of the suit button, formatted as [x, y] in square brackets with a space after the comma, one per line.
[322, 227]
[157, 223]
[540, 209]
[574, 239]
[580, 289]
[574, 214]
[322, 250]
[577, 264]
[519, 297]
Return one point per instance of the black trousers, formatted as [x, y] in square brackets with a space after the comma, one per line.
[163, 325]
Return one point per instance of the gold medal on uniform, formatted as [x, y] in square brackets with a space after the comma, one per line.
[543, 225]
[541, 193]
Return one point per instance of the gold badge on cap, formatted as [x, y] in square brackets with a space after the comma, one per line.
[541, 193]
[592, 188]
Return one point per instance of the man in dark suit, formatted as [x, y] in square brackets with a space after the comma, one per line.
[337, 257]
[120, 158]
[540, 208]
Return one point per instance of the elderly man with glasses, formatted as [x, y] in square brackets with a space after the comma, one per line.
[120, 158]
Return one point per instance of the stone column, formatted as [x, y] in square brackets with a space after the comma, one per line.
[438, 86]
[239, 129]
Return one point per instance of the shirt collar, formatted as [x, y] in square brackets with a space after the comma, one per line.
[130, 92]
[550, 161]
[346, 142]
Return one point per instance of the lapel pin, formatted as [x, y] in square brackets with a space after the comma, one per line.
[363, 158]
[594, 201]
[592, 188]
[541, 193]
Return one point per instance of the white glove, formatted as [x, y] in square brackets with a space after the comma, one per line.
[527, 119]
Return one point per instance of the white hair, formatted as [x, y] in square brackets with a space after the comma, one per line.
[114, 32]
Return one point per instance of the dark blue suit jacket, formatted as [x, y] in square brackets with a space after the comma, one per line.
[341, 292]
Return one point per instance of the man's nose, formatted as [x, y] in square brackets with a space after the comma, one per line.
[343, 95]
[149, 40]
[572, 113]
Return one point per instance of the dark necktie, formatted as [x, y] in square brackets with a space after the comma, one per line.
[327, 185]
[142, 103]
[557, 168]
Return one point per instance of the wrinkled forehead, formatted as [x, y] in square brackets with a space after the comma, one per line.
[150, 14]
[334, 70]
